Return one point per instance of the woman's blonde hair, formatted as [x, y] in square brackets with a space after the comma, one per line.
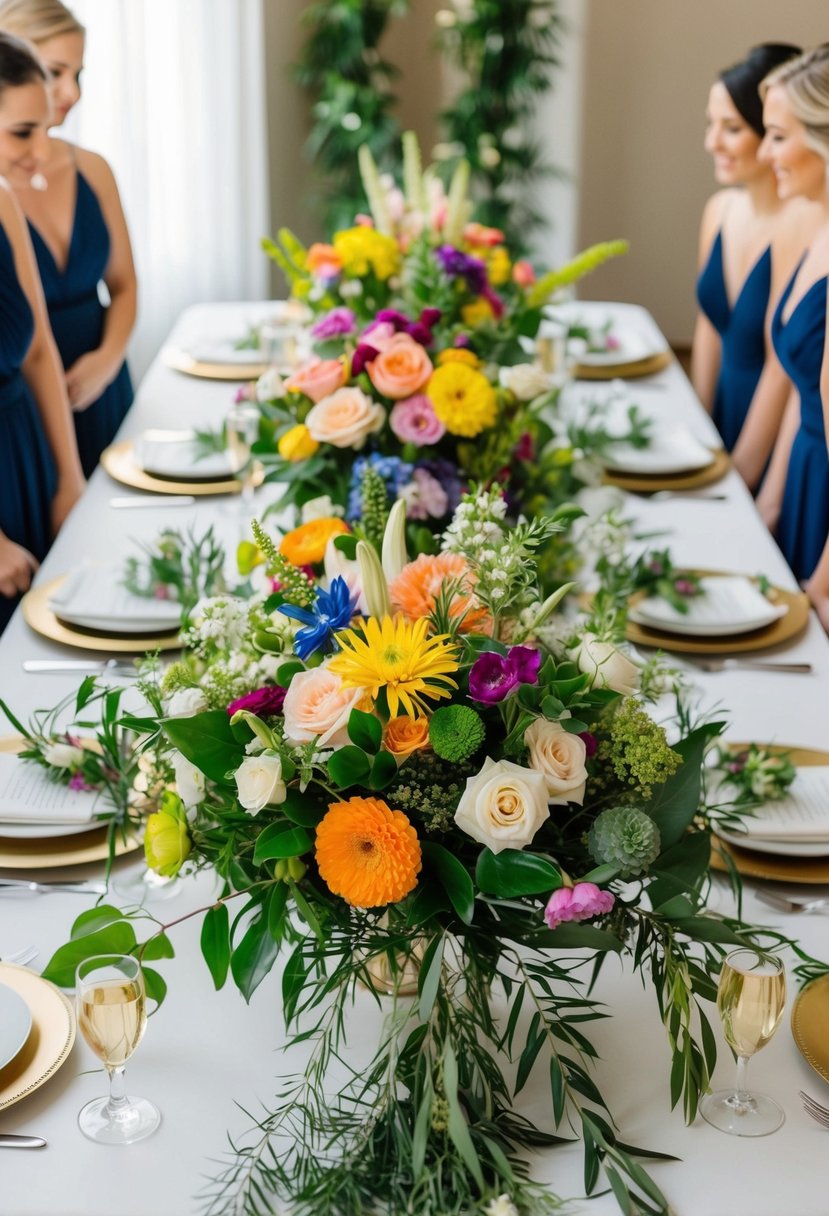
[806, 81]
[38, 20]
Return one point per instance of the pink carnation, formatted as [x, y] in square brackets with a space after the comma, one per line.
[580, 902]
[414, 420]
[424, 496]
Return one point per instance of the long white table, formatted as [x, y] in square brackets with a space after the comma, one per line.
[204, 1051]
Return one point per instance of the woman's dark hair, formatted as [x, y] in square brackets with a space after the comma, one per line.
[743, 79]
[19, 63]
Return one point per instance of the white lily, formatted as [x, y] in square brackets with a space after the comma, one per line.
[375, 587]
[394, 555]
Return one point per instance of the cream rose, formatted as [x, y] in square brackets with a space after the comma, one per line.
[269, 386]
[186, 702]
[316, 704]
[189, 781]
[560, 757]
[503, 806]
[525, 380]
[317, 379]
[607, 665]
[259, 782]
[345, 419]
[62, 755]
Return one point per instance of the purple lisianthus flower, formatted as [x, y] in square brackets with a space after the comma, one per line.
[459, 265]
[581, 902]
[363, 355]
[391, 316]
[338, 323]
[491, 678]
[414, 420]
[526, 663]
[262, 702]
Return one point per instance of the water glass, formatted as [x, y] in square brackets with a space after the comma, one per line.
[241, 432]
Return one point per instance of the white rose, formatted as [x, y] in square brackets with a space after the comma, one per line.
[607, 665]
[502, 1206]
[345, 418]
[318, 707]
[269, 386]
[503, 806]
[189, 781]
[259, 782]
[62, 755]
[560, 757]
[320, 508]
[186, 702]
[525, 380]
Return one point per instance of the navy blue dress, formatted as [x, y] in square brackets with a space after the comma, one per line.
[741, 331]
[77, 318]
[28, 478]
[804, 516]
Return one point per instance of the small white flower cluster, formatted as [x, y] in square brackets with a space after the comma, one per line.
[502, 1206]
[221, 620]
[477, 523]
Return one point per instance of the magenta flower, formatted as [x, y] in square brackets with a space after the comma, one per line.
[494, 676]
[414, 420]
[263, 702]
[338, 323]
[526, 663]
[581, 902]
[78, 782]
[363, 355]
[590, 741]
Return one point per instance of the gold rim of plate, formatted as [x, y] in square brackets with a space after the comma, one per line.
[119, 462]
[180, 361]
[624, 371]
[782, 630]
[50, 1039]
[774, 868]
[695, 479]
[39, 616]
[810, 1013]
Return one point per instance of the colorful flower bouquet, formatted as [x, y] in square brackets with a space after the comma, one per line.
[427, 794]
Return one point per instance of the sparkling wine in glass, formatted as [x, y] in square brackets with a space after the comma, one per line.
[242, 431]
[751, 998]
[110, 998]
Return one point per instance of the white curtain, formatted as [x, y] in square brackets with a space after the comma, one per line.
[174, 98]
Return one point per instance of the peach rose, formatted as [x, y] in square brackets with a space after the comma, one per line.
[401, 368]
[323, 261]
[345, 419]
[560, 757]
[405, 735]
[317, 379]
[316, 704]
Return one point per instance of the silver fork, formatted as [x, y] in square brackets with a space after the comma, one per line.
[22, 957]
[819, 1113]
[792, 905]
[749, 665]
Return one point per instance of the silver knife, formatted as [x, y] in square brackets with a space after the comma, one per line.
[116, 667]
[22, 887]
[152, 500]
[9, 1140]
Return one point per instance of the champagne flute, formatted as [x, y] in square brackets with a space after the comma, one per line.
[750, 1000]
[242, 431]
[110, 998]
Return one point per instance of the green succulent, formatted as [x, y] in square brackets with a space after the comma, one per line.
[625, 837]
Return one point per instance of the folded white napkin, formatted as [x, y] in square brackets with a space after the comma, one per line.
[802, 815]
[92, 597]
[27, 795]
[669, 451]
[222, 350]
[729, 604]
[177, 455]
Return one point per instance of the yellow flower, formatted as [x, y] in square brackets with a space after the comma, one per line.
[498, 266]
[367, 853]
[297, 443]
[363, 250]
[405, 735]
[166, 842]
[306, 545]
[458, 354]
[477, 313]
[395, 655]
[248, 556]
[463, 399]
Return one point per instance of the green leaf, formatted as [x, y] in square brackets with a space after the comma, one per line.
[155, 985]
[281, 840]
[383, 771]
[456, 1123]
[365, 731]
[349, 766]
[600, 874]
[302, 809]
[708, 929]
[676, 801]
[116, 938]
[215, 943]
[293, 981]
[306, 911]
[277, 903]
[207, 741]
[581, 937]
[286, 672]
[512, 873]
[253, 958]
[347, 544]
[157, 946]
[453, 877]
[428, 979]
[84, 693]
[94, 919]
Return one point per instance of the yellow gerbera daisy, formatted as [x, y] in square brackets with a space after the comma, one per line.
[463, 399]
[396, 655]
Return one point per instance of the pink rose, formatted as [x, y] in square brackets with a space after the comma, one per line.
[378, 334]
[316, 704]
[414, 421]
[401, 368]
[317, 379]
[345, 419]
[523, 274]
[580, 902]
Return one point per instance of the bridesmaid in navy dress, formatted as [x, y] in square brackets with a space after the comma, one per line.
[749, 243]
[40, 474]
[796, 491]
[80, 239]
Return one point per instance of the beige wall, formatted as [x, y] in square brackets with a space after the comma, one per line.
[647, 68]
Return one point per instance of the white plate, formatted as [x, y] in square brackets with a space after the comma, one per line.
[15, 1024]
[175, 454]
[44, 831]
[784, 848]
[730, 604]
[92, 597]
[223, 350]
[674, 451]
[633, 328]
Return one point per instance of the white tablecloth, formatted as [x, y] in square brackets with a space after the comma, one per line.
[204, 1051]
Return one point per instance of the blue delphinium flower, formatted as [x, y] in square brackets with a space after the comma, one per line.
[332, 610]
[395, 473]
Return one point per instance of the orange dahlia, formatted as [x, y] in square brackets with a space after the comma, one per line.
[305, 545]
[418, 584]
[367, 853]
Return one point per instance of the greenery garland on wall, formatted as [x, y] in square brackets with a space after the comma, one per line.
[507, 50]
[350, 83]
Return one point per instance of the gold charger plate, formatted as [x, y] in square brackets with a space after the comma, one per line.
[50, 1039]
[39, 616]
[649, 483]
[119, 463]
[624, 371]
[180, 361]
[782, 630]
[766, 865]
[810, 1017]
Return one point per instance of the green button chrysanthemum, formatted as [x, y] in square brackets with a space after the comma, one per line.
[455, 732]
[625, 837]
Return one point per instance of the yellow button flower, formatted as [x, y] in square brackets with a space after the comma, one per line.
[463, 399]
[166, 843]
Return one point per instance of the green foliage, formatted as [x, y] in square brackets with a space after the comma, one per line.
[512, 873]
